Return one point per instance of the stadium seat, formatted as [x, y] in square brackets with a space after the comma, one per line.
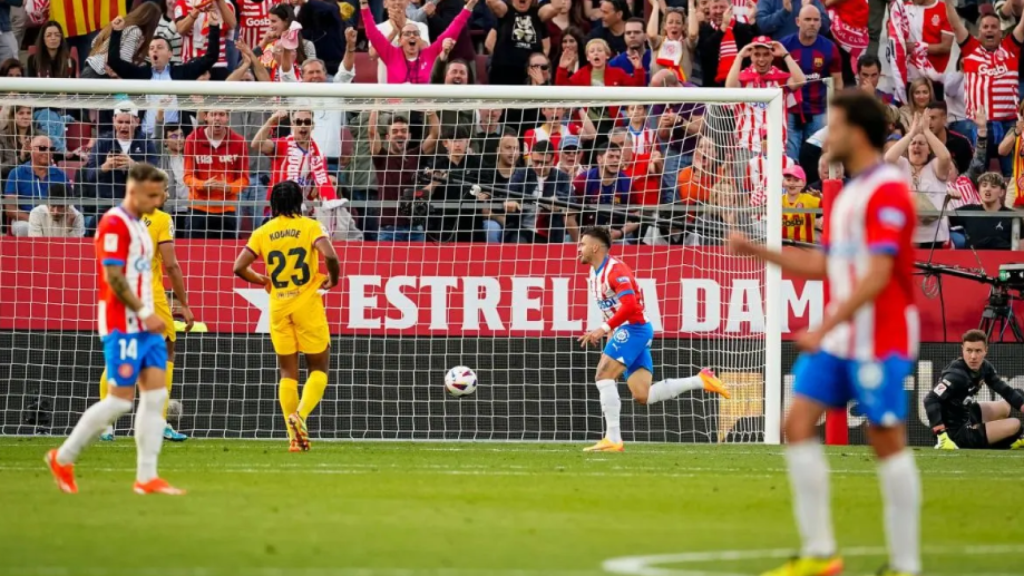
[77, 134]
[366, 69]
[481, 68]
[71, 168]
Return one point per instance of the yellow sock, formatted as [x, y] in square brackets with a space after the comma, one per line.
[169, 379]
[288, 396]
[103, 384]
[312, 393]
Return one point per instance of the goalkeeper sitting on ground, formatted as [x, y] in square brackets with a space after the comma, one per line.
[960, 421]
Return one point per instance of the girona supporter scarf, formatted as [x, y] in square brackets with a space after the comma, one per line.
[316, 183]
[850, 27]
[728, 51]
[670, 57]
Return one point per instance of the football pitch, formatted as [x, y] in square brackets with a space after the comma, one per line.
[462, 509]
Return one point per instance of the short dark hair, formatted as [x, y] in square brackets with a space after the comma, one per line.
[599, 233]
[636, 20]
[864, 111]
[283, 11]
[542, 147]
[398, 119]
[974, 336]
[145, 172]
[868, 60]
[162, 39]
[286, 199]
[987, 14]
[168, 128]
[937, 105]
[57, 191]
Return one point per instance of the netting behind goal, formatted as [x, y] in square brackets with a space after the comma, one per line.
[455, 213]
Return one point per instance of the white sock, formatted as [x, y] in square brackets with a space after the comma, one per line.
[611, 405]
[93, 422]
[149, 432]
[672, 387]
[812, 506]
[901, 492]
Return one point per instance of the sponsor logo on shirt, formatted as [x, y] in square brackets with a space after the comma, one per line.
[892, 218]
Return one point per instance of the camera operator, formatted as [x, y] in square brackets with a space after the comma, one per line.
[957, 418]
[449, 178]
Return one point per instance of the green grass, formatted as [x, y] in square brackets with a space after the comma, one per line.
[376, 509]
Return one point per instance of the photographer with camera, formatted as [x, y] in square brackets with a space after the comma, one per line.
[957, 418]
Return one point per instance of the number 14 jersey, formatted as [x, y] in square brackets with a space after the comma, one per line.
[286, 245]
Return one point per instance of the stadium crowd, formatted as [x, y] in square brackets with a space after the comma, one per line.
[951, 82]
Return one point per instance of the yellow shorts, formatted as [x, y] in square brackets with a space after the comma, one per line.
[302, 329]
[162, 308]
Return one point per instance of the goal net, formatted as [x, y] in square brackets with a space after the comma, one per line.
[455, 212]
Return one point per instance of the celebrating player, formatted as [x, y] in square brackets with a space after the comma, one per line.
[131, 331]
[957, 419]
[628, 350]
[865, 345]
[161, 233]
[289, 243]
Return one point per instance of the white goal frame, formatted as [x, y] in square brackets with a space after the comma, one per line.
[774, 305]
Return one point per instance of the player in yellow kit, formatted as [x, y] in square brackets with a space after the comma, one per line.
[161, 231]
[288, 244]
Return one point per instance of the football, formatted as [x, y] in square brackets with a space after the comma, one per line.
[173, 411]
[460, 381]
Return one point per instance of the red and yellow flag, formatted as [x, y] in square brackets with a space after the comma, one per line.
[79, 18]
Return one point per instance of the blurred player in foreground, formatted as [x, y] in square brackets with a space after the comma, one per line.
[161, 232]
[132, 334]
[865, 345]
[289, 243]
[628, 351]
[960, 421]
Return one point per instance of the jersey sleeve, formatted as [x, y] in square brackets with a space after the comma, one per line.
[180, 10]
[112, 242]
[165, 233]
[889, 215]
[621, 280]
[255, 243]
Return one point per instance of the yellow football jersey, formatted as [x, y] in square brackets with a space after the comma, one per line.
[799, 227]
[161, 230]
[293, 265]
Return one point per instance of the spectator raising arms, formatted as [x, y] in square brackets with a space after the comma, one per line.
[296, 157]
[673, 50]
[281, 17]
[597, 69]
[139, 26]
[520, 32]
[193, 17]
[411, 63]
[53, 57]
[391, 28]
[929, 167]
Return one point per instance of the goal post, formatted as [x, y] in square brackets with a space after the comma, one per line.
[485, 276]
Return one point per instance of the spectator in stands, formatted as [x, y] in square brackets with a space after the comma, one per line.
[397, 166]
[168, 30]
[449, 178]
[570, 15]
[398, 18]
[981, 58]
[614, 14]
[573, 41]
[530, 220]
[411, 63]
[929, 168]
[796, 226]
[869, 72]
[678, 127]
[448, 70]
[105, 175]
[521, 31]
[957, 144]
[216, 170]
[757, 172]
[603, 185]
[138, 29]
[931, 33]
[328, 114]
[281, 17]
[569, 158]
[538, 68]
[193, 17]
[172, 161]
[161, 69]
[498, 169]
[817, 57]
[696, 180]
[714, 53]
[359, 175]
[488, 130]
[555, 127]
[672, 49]
[296, 157]
[8, 41]
[987, 233]
[53, 57]
[323, 25]
[920, 93]
[253, 23]
[778, 18]
[16, 134]
[598, 54]
[31, 180]
[57, 218]
[636, 49]
[12, 68]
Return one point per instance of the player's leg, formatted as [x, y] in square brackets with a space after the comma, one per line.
[820, 383]
[1000, 429]
[286, 345]
[672, 387]
[880, 391]
[149, 421]
[608, 372]
[108, 433]
[314, 339]
[122, 362]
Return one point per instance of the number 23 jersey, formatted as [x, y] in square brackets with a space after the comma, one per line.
[293, 265]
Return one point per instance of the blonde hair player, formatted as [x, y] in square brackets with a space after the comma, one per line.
[289, 243]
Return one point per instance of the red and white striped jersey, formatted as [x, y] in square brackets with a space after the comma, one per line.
[990, 78]
[963, 187]
[193, 42]
[752, 117]
[757, 177]
[644, 140]
[123, 240]
[609, 283]
[253, 20]
[873, 214]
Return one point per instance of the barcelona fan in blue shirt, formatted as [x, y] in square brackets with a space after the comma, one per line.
[604, 185]
[818, 58]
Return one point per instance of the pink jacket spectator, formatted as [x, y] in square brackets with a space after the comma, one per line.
[402, 70]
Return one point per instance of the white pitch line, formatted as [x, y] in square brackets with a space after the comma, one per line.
[289, 571]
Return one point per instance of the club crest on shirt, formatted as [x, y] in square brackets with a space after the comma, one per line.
[621, 336]
[892, 218]
[125, 370]
[870, 375]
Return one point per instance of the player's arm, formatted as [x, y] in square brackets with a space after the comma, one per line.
[243, 268]
[948, 381]
[262, 141]
[806, 263]
[173, 270]
[324, 246]
[119, 285]
[1012, 396]
[732, 80]
[625, 291]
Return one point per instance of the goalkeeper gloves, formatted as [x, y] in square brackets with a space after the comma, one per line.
[945, 443]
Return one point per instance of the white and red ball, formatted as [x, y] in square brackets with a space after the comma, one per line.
[460, 381]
